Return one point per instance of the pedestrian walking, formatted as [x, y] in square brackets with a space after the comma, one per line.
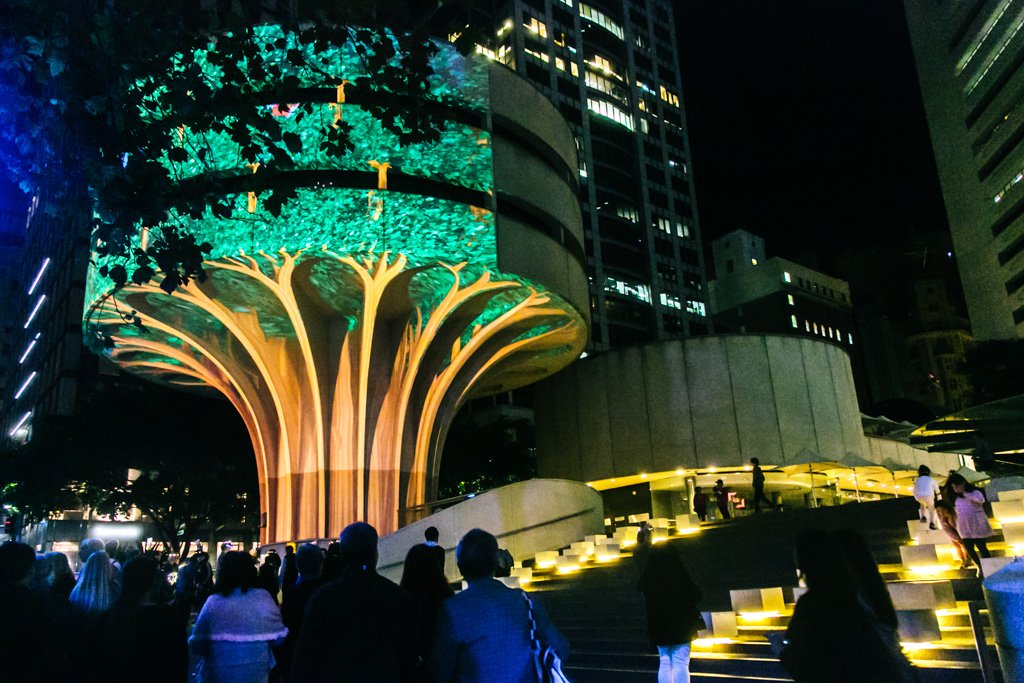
[722, 499]
[925, 492]
[700, 504]
[946, 514]
[758, 483]
[971, 521]
[237, 626]
[670, 600]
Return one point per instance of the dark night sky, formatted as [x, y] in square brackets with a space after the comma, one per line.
[806, 125]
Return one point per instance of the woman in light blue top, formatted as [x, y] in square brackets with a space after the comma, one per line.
[237, 627]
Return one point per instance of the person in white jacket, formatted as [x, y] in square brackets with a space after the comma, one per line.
[925, 491]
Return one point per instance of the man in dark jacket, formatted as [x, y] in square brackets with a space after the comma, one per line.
[758, 482]
[483, 633]
[430, 539]
[359, 628]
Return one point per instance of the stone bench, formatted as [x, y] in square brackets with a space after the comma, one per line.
[583, 548]
[1013, 534]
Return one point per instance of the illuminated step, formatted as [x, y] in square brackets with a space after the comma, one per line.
[607, 552]
[990, 565]
[1008, 511]
[546, 559]
[687, 524]
[584, 549]
[1014, 494]
[719, 625]
[758, 601]
[922, 595]
[929, 558]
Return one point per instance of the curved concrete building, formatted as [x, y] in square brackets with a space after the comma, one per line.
[698, 403]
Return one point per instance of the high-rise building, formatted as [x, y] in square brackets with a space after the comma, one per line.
[612, 69]
[12, 242]
[47, 356]
[970, 60]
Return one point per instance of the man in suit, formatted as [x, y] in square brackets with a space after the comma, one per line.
[359, 628]
[431, 536]
[483, 633]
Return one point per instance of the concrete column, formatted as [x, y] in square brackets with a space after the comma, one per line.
[1004, 593]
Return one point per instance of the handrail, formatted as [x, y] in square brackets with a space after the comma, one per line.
[980, 645]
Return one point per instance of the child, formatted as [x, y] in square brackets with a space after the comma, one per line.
[925, 490]
[947, 520]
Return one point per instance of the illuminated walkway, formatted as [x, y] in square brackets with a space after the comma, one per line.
[601, 612]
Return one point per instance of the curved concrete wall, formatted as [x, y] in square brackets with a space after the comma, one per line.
[539, 224]
[696, 403]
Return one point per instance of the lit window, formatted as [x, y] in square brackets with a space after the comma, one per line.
[789, 299]
[602, 64]
[753, 261]
[485, 51]
[807, 326]
[632, 290]
[670, 301]
[815, 328]
[536, 26]
[668, 96]
[505, 26]
[787, 277]
[574, 69]
[643, 126]
[792, 321]
[610, 111]
[696, 308]
[542, 56]
[559, 63]
[849, 337]
[606, 86]
[594, 16]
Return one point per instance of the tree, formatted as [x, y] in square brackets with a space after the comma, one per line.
[121, 97]
[195, 466]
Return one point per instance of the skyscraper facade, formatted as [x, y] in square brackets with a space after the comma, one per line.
[612, 69]
[970, 60]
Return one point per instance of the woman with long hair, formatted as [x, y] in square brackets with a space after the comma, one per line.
[946, 514]
[94, 592]
[835, 628]
[423, 579]
[237, 627]
[971, 520]
[61, 579]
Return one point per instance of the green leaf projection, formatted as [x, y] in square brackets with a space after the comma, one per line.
[351, 301]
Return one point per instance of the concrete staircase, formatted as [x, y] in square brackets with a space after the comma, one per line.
[601, 612]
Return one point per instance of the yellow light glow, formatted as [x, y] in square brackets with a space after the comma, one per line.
[758, 616]
[687, 531]
[704, 643]
[569, 569]
[915, 647]
[547, 564]
[1018, 550]
[606, 558]
[643, 475]
[679, 470]
[931, 569]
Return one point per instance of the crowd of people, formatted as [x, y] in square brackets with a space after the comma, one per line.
[312, 615]
[327, 615]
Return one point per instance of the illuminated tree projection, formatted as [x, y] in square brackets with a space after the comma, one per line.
[348, 329]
